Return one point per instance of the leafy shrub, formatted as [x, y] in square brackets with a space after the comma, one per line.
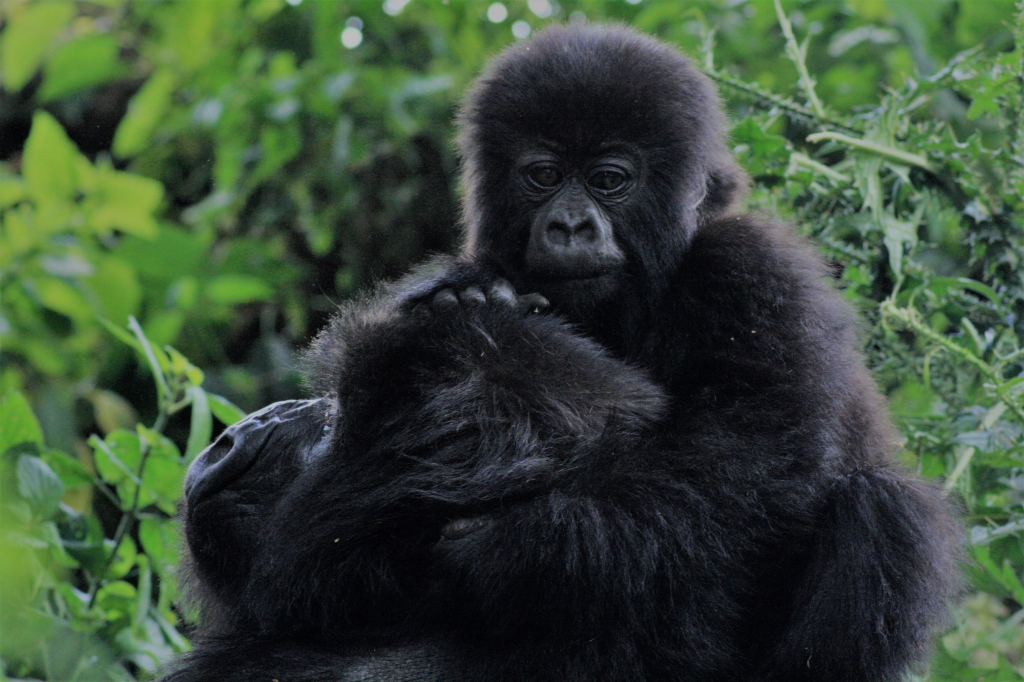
[223, 172]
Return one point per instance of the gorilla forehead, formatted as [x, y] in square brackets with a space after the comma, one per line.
[583, 86]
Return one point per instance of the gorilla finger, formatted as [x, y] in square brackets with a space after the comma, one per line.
[472, 296]
[445, 299]
[502, 292]
[533, 304]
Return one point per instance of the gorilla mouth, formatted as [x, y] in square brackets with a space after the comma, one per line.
[581, 273]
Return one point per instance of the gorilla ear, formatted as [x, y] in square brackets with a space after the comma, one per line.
[726, 186]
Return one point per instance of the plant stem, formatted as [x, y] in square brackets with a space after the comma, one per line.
[891, 153]
[797, 54]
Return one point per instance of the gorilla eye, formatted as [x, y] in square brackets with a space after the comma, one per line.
[607, 180]
[545, 176]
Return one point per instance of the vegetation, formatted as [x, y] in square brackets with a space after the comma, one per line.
[212, 177]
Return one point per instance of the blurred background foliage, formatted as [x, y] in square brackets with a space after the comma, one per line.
[207, 179]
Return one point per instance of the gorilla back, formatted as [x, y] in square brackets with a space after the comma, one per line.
[680, 471]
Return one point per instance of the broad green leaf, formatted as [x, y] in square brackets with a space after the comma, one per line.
[70, 470]
[12, 190]
[111, 411]
[17, 423]
[232, 289]
[126, 202]
[172, 254]
[117, 287]
[28, 38]
[50, 161]
[201, 427]
[39, 486]
[58, 295]
[160, 541]
[117, 598]
[163, 476]
[224, 410]
[81, 64]
[124, 559]
[146, 111]
[117, 456]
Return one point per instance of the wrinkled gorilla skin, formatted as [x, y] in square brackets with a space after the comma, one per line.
[680, 472]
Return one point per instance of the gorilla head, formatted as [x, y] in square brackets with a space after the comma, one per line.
[591, 155]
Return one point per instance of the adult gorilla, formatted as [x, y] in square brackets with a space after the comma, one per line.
[693, 482]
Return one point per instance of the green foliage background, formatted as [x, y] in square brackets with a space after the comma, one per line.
[206, 179]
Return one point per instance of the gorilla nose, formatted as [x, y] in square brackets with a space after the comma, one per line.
[236, 450]
[565, 233]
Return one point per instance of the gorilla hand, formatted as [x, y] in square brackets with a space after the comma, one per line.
[497, 292]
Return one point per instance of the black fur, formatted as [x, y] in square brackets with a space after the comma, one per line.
[684, 473]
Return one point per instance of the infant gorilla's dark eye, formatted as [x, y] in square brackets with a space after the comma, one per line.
[545, 176]
[607, 180]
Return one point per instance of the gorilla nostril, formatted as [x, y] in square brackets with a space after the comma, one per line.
[558, 234]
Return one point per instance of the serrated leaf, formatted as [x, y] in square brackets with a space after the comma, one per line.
[71, 471]
[17, 423]
[39, 486]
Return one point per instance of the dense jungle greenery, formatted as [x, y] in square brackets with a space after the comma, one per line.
[196, 184]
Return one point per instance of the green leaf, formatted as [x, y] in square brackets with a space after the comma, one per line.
[117, 456]
[58, 295]
[202, 423]
[50, 161]
[71, 471]
[121, 335]
[146, 110]
[232, 289]
[111, 411]
[125, 202]
[163, 476]
[160, 540]
[117, 287]
[81, 64]
[27, 39]
[155, 367]
[39, 486]
[17, 423]
[224, 410]
[12, 191]
[116, 598]
[941, 285]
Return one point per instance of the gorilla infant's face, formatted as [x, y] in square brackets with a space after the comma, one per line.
[574, 205]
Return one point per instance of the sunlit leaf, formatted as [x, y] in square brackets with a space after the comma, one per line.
[81, 64]
[17, 423]
[146, 111]
[232, 289]
[50, 161]
[27, 39]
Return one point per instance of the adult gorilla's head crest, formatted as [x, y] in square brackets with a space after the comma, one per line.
[591, 153]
